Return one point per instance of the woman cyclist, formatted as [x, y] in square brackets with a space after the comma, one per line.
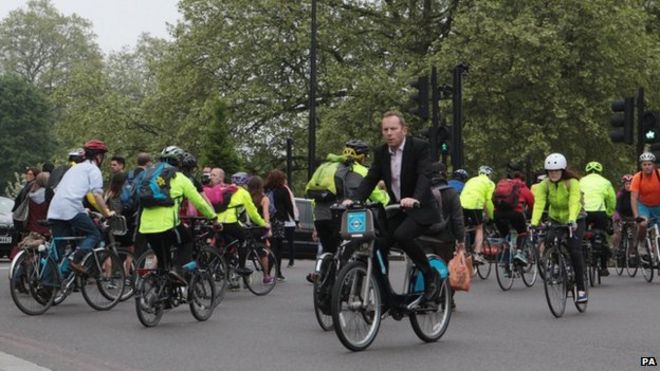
[623, 209]
[561, 190]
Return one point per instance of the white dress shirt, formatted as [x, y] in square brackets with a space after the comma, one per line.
[396, 155]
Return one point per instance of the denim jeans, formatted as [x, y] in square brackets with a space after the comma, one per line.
[80, 225]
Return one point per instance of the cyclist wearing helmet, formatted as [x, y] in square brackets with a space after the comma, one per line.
[160, 225]
[645, 193]
[458, 180]
[561, 191]
[599, 203]
[477, 198]
[344, 172]
[67, 213]
[623, 208]
[231, 226]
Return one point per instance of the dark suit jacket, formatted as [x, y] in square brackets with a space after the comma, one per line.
[415, 178]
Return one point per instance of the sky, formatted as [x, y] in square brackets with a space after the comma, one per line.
[117, 23]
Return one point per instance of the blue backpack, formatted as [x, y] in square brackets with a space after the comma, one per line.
[154, 188]
[271, 204]
[128, 194]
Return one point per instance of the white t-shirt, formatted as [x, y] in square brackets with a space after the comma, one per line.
[81, 179]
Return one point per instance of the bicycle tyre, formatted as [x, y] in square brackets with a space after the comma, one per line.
[504, 267]
[632, 260]
[323, 291]
[483, 270]
[429, 325]
[210, 259]
[581, 307]
[105, 273]
[347, 287]
[148, 307]
[554, 284]
[256, 281]
[529, 272]
[619, 260]
[201, 295]
[646, 261]
[33, 282]
[128, 262]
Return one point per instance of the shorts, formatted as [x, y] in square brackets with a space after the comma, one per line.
[473, 217]
[649, 212]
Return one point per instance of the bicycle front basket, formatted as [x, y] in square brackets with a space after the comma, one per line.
[358, 225]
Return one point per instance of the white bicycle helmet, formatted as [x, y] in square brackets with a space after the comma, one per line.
[555, 161]
[647, 156]
[485, 170]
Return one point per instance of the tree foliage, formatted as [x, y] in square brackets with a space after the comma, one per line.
[25, 124]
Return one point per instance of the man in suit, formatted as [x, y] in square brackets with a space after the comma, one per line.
[403, 164]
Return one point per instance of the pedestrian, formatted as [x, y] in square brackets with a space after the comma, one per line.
[276, 183]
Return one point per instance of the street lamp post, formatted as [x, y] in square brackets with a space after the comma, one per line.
[311, 146]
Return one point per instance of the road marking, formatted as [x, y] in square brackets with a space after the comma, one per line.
[10, 362]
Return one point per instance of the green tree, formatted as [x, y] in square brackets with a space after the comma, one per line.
[218, 148]
[26, 123]
[542, 76]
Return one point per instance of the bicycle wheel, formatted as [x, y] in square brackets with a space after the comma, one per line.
[504, 268]
[263, 264]
[103, 283]
[210, 259]
[322, 291]
[483, 270]
[431, 321]
[356, 319]
[201, 295]
[555, 283]
[619, 260]
[581, 307]
[632, 261]
[148, 306]
[529, 271]
[128, 261]
[646, 261]
[33, 282]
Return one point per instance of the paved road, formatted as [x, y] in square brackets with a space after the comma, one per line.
[490, 330]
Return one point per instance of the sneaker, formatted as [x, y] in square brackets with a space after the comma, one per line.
[581, 297]
[290, 265]
[478, 258]
[312, 277]
[604, 272]
[268, 280]
[244, 271]
[281, 278]
[520, 257]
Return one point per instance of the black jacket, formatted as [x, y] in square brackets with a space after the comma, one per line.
[283, 204]
[452, 212]
[415, 175]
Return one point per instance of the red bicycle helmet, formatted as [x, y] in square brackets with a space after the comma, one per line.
[96, 146]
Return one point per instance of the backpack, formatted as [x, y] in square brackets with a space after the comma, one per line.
[328, 182]
[54, 179]
[128, 194]
[437, 195]
[506, 195]
[271, 203]
[154, 189]
[220, 196]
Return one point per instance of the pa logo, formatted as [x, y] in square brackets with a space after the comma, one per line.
[649, 362]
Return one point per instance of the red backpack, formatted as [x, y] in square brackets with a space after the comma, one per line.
[506, 195]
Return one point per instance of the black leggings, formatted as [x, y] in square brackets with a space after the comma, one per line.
[161, 242]
[231, 232]
[599, 220]
[576, 253]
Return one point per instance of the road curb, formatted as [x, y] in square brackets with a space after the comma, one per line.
[9, 362]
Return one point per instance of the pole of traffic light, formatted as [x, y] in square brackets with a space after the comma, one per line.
[457, 108]
[311, 140]
[640, 129]
[289, 161]
[435, 115]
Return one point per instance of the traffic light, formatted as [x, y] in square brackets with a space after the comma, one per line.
[650, 127]
[420, 97]
[622, 121]
[444, 139]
